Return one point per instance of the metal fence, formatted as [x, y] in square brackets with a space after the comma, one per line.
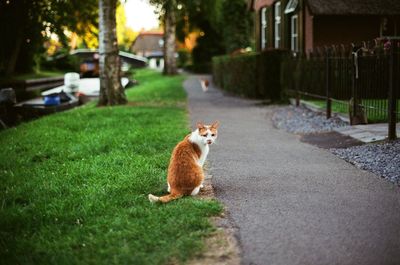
[363, 81]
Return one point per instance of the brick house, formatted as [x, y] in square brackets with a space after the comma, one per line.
[301, 25]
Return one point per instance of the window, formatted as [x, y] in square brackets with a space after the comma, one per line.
[294, 33]
[291, 6]
[277, 13]
[263, 29]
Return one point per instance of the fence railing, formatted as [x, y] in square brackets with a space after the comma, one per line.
[363, 81]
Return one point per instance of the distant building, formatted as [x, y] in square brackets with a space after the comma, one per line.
[150, 45]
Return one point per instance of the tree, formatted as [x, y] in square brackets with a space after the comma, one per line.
[25, 25]
[170, 38]
[111, 90]
[237, 24]
[203, 16]
[167, 14]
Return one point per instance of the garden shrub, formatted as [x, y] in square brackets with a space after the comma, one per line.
[269, 73]
[237, 74]
[254, 75]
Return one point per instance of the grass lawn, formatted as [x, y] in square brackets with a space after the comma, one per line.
[74, 185]
[373, 115]
[41, 74]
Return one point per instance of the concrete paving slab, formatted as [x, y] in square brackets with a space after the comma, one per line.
[367, 133]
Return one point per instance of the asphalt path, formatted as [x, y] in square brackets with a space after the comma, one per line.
[291, 202]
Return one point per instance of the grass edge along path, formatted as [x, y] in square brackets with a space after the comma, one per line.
[74, 185]
[374, 116]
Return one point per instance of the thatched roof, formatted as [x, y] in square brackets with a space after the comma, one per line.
[354, 7]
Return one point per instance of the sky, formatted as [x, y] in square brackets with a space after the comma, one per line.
[140, 14]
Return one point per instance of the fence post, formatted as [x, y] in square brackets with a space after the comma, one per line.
[328, 84]
[356, 113]
[393, 64]
[297, 79]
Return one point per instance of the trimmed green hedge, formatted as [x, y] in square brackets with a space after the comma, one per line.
[255, 75]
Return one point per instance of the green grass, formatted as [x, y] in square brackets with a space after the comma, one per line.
[156, 91]
[374, 116]
[74, 185]
[41, 74]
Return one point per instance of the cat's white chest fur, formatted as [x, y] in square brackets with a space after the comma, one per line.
[204, 152]
[204, 148]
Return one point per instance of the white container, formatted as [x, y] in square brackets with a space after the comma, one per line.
[71, 81]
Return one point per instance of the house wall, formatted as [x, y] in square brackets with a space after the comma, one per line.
[321, 30]
[258, 4]
[285, 22]
[344, 29]
[308, 30]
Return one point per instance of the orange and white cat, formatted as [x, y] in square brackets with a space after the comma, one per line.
[185, 171]
[204, 84]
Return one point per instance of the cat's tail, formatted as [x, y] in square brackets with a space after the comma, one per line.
[164, 199]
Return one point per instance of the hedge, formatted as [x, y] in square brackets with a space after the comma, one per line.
[254, 75]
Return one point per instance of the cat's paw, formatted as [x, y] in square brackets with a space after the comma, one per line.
[153, 198]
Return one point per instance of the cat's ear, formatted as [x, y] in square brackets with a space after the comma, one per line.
[200, 125]
[215, 124]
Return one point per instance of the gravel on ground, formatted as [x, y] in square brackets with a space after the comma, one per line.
[304, 121]
[383, 159]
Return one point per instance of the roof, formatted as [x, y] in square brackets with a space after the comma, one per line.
[354, 7]
[130, 58]
[148, 43]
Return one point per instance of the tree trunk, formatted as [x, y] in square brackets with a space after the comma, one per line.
[15, 32]
[111, 90]
[170, 42]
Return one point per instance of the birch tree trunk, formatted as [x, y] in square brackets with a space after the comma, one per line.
[170, 39]
[111, 90]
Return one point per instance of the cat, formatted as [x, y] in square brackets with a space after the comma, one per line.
[185, 171]
[204, 84]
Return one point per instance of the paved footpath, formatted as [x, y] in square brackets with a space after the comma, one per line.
[293, 203]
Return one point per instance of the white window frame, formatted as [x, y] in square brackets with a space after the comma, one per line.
[263, 28]
[294, 33]
[277, 24]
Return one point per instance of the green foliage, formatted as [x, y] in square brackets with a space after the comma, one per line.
[237, 74]
[183, 58]
[208, 45]
[269, 72]
[153, 90]
[254, 75]
[74, 185]
[29, 23]
[62, 62]
[236, 23]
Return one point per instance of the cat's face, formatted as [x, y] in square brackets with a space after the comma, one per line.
[208, 133]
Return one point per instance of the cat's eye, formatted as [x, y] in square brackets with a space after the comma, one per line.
[213, 134]
[205, 135]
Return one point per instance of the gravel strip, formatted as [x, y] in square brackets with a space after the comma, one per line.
[382, 159]
[304, 121]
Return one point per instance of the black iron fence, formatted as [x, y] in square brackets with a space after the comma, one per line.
[363, 81]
